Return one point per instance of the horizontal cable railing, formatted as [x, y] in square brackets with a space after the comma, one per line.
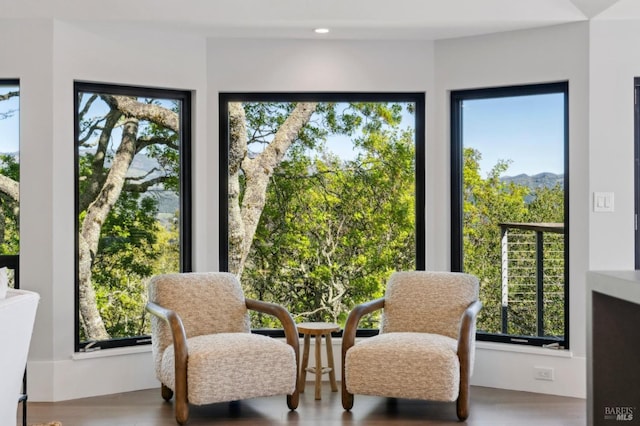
[532, 285]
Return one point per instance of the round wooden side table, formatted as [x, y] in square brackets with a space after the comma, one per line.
[317, 329]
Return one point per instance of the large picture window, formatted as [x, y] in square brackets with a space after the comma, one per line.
[132, 205]
[324, 197]
[509, 208]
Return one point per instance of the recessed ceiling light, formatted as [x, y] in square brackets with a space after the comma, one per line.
[321, 30]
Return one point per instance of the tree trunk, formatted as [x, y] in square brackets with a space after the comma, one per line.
[91, 227]
[237, 152]
[257, 172]
[10, 187]
[98, 173]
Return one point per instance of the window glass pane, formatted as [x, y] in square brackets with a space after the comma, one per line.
[322, 203]
[9, 167]
[513, 212]
[129, 148]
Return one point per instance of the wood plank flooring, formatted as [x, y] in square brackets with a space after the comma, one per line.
[489, 407]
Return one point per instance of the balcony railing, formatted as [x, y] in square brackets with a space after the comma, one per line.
[533, 279]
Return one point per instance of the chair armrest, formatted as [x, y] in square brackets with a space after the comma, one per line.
[466, 337]
[348, 340]
[179, 338]
[350, 328]
[290, 333]
[278, 311]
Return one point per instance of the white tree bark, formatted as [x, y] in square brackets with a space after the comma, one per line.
[237, 152]
[96, 214]
[257, 172]
[10, 187]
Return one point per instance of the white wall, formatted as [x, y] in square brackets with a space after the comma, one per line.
[534, 56]
[30, 60]
[613, 64]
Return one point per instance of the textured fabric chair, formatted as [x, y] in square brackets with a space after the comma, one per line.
[204, 350]
[426, 345]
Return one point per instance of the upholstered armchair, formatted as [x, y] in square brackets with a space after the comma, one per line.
[426, 345]
[203, 348]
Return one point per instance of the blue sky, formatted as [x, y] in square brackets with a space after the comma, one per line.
[9, 128]
[528, 130]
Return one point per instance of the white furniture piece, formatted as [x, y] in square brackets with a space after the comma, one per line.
[17, 316]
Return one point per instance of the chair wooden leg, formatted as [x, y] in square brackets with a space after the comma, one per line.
[181, 387]
[182, 410]
[166, 392]
[292, 400]
[181, 406]
[462, 404]
[347, 398]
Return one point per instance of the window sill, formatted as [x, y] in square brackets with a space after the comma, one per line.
[533, 350]
[103, 353]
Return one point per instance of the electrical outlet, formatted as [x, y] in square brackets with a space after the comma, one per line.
[543, 373]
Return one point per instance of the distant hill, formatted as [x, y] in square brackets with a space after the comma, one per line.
[168, 202]
[544, 179]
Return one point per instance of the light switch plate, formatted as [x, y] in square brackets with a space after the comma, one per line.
[603, 202]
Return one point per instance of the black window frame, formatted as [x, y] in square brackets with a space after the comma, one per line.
[456, 117]
[186, 230]
[418, 98]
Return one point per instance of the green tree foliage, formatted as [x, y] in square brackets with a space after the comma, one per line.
[489, 201]
[9, 208]
[332, 231]
[124, 261]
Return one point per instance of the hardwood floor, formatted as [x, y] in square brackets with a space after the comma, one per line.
[489, 407]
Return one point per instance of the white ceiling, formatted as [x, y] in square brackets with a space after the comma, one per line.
[347, 19]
